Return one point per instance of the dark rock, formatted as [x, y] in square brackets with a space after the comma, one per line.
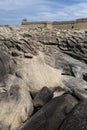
[7, 66]
[16, 53]
[14, 92]
[77, 118]
[3, 95]
[42, 97]
[4, 64]
[52, 114]
[28, 55]
[85, 77]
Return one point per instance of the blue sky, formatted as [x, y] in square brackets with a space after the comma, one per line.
[13, 11]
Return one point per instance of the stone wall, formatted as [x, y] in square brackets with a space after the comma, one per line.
[77, 24]
[63, 25]
[81, 24]
[35, 24]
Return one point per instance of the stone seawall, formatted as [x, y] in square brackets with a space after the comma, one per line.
[77, 24]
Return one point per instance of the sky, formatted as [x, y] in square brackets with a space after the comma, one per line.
[13, 11]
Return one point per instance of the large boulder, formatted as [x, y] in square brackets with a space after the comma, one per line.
[52, 114]
[77, 118]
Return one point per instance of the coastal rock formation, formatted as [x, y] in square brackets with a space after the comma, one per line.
[52, 114]
[33, 58]
[77, 119]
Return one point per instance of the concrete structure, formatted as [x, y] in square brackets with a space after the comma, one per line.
[77, 24]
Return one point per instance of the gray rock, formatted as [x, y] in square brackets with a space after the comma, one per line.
[31, 59]
[52, 114]
[77, 118]
[42, 97]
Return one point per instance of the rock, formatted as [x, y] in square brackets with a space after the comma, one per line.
[52, 114]
[19, 77]
[4, 64]
[85, 76]
[72, 83]
[31, 59]
[16, 103]
[42, 97]
[16, 53]
[3, 95]
[27, 55]
[77, 118]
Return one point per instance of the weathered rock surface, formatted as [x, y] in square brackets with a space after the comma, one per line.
[32, 59]
[77, 118]
[42, 97]
[52, 114]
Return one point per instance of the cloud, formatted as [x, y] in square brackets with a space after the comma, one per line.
[13, 11]
[19, 4]
[59, 11]
[78, 10]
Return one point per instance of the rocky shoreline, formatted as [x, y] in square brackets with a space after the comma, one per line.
[43, 79]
